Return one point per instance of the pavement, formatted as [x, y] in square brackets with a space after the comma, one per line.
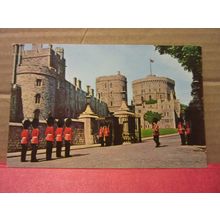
[139, 155]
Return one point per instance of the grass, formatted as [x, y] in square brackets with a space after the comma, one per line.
[163, 131]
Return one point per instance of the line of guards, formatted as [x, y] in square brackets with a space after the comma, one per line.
[104, 134]
[61, 133]
[66, 133]
[184, 132]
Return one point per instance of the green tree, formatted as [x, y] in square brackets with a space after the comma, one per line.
[190, 58]
[149, 116]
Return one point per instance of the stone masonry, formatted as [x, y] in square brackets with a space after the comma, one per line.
[39, 75]
[161, 90]
[112, 90]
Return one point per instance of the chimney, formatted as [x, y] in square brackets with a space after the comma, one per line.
[88, 89]
[79, 84]
[75, 81]
[92, 92]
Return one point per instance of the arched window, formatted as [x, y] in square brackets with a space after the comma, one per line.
[37, 98]
[36, 113]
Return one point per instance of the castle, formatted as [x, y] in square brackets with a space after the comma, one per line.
[156, 94]
[39, 87]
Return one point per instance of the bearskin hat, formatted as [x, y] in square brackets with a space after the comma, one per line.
[35, 122]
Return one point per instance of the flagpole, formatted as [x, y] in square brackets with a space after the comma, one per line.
[150, 67]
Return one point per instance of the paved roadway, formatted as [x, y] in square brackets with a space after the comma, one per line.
[142, 155]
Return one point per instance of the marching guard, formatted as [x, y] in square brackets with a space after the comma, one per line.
[106, 135]
[24, 139]
[34, 139]
[59, 137]
[101, 135]
[156, 132]
[49, 133]
[188, 133]
[181, 131]
[68, 135]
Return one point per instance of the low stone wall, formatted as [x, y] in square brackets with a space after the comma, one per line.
[16, 128]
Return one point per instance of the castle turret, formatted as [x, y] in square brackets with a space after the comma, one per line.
[112, 90]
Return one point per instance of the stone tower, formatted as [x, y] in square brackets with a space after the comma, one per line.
[112, 90]
[156, 94]
[39, 73]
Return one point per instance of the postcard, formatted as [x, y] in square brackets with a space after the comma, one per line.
[106, 106]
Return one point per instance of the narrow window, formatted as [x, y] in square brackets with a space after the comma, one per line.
[37, 98]
[39, 82]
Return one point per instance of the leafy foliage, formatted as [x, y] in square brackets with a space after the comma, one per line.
[149, 116]
[190, 57]
[151, 101]
[183, 107]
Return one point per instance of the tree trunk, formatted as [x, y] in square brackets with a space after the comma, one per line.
[196, 111]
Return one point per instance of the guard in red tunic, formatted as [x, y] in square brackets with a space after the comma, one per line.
[49, 133]
[34, 139]
[156, 132]
[24, 139]
[106, 135]
[101, 135]
[188, 133]
[68, 135]
[181, 131]
[59, 137]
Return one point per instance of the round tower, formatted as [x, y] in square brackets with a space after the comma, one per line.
[38, 85]
[112, 90]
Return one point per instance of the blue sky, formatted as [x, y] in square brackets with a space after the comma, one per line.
[86, 62]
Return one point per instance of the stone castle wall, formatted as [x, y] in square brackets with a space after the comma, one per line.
[112, 90]
[58, 97]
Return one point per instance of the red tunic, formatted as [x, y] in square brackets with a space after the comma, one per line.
[68, 134]
[101, 132]
[187, 129]
[24, 136]
[49, 133]
[35, 136]
[156, 130]
[180, 128]
[59, 134]
[106, 131]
